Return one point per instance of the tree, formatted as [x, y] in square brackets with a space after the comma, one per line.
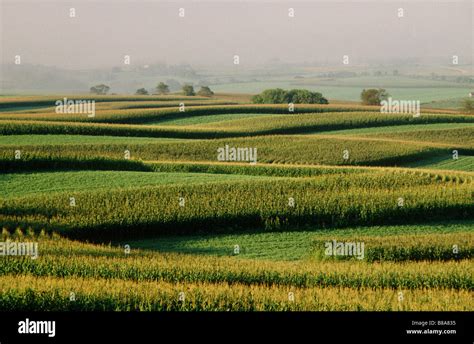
[188, 90]
[272, 96]
[373, 96]
[205, 91]
[468, 105]
[100, 89]
[162, 88]
[142, 92]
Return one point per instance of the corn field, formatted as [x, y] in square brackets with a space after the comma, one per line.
[96, 236]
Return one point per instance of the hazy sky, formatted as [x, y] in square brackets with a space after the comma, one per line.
[211, 33]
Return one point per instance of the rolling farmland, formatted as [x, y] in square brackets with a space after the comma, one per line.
[221, 205]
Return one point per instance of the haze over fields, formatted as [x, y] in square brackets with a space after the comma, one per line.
[211, 33]
[60, 53]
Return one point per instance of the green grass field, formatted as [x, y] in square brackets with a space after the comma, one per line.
[204, 119]
[297, 245]
[135, 206]
[400, 128]
[22, 184]
[463, 163]
[17, 140]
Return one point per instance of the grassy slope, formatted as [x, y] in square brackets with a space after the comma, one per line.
[204, 119]
[37, 140]
[463, 163]
[290, 246]
[24, 184]
[399, 128]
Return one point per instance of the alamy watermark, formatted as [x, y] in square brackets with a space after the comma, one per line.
[37, 327]
[69, 106]
[15, 248]
[339, 248]
[400, 106]
[237, 154]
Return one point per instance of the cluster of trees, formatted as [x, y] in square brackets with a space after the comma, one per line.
[162, 88]
[101, 89]
[373, 96]
[205, 91]
[141, 92]
[296, 96]
[188, 90]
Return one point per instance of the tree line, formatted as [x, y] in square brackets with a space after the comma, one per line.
[161, 88]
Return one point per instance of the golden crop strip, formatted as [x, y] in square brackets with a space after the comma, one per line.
[61, 257]
[72, 293]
